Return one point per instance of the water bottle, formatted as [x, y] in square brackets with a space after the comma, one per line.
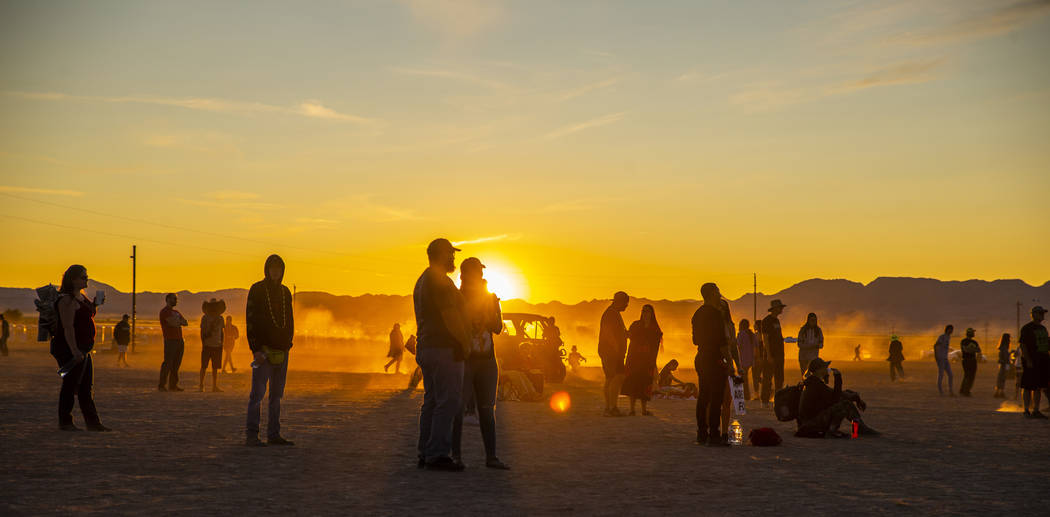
[736, 433]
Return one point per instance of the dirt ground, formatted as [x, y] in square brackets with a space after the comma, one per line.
[182, 453]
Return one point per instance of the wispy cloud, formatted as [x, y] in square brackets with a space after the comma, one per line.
[611, 118]
[457, 19]
[232, 204]
[911, 72]
[769, 97]
[312, 109]
[588, 88]
[988, 23]
[226, 195]
[449, 74]
[700, 77]
[33, 190]
[492, 238]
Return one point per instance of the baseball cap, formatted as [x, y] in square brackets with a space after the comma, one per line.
[440, 245]
[1039, 308]
[471, 263]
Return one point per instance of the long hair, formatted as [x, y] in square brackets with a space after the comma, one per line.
[1004, 341]
[72, 273]
[649, 307]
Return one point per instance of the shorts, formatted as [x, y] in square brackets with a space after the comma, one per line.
[213, 354]
[122, 348]
[1036, 376]
[613, 366]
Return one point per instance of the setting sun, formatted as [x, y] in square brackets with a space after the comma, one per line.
[504, 281]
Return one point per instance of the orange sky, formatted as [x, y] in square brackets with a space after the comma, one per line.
[577, 148]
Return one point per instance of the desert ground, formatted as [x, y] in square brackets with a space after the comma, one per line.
[183, 453]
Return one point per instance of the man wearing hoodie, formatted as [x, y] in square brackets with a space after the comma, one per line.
[269, 328]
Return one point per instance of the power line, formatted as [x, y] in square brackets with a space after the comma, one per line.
[193, 230]
[180, 245]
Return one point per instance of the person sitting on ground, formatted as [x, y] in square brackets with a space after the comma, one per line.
[672, 387]
[575, 358]
[823, 408]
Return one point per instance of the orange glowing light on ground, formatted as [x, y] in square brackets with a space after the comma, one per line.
[560, 402]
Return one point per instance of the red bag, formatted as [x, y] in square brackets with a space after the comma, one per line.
[764, 437]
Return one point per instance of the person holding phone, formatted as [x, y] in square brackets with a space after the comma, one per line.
[71, 347]
[822, 408]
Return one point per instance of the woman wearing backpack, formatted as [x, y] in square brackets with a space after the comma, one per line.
[74, 337]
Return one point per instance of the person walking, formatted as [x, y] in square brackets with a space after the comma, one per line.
[1035, 354]
[270, 327]
[122, 337]
[640, 367]
[856, 353]
[5, 333]
[896, 357]
[713, 364]
[1004, 367]
[443, 342]
[212, 328]
[480, 373]
[230, 334]
[773, 340]
[747, 344]
[612, 349]
[72, 340]
[970, 350]
[940, 354]
[171, 323]
[810, 342]
[397, 349]
[759, 368]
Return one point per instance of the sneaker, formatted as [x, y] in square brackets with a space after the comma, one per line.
[445, 464]
[254, 441]
[495, 463]
[277, 440]
[98, 428]
[866, 430]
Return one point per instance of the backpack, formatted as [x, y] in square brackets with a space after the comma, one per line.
[786, 401]
[47, 325]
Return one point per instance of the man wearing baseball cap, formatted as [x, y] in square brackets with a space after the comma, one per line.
[773, 339]
[821, 409]
[442, 344]
[1035, 353]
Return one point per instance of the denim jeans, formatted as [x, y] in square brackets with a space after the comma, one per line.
[943, 366]
[480, 379]
[275, 375]
[442, 401]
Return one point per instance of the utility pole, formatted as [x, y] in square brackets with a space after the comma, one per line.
[134, 259]
[754, 298]
[1018, 319]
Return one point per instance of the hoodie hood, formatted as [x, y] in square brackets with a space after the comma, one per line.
[274, 259]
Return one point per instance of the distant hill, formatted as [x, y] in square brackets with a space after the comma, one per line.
[850, 312]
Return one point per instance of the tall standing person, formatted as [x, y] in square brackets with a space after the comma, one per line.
[229, 341]
[5, 332]
[612, 348]
[122, 336]
[810, 341]
[1035, 354]
[896, 357]
[481, 374]
[270, 327]
[747, 343]
[940, 354]
[71, 344]
[970, 350]
[713, 365]
[212, 329]
[640, 366]
[1004, 367]
[773, 340]
[442, 344]
[171, 323]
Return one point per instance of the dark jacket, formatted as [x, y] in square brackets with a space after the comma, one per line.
[896, 351]
[268, 315]
[122, 333]
[709, 334]
[816, 397]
